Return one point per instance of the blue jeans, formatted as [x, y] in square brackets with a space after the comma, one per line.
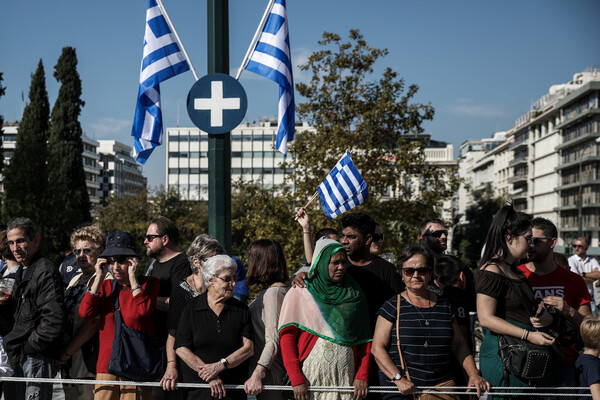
[39, 367]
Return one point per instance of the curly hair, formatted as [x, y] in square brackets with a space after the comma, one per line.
[92, 233]
[5, 252]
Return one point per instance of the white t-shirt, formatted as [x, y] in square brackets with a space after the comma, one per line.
[579, 265]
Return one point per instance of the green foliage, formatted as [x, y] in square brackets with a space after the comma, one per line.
[25, 178]
[68, 197]
[376, 119]
[470, 237]
[134, 213]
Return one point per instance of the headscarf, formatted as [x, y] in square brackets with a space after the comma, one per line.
[343, 312]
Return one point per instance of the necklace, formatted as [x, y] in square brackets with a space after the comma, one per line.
[426, 344]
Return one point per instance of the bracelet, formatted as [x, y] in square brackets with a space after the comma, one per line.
[170, 361]
[527, 336]
[92, 293]
[523, 334]
[307, 233]
[136, 288]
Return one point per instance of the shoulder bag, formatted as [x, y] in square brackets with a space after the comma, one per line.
[135, 355]
[520, 357]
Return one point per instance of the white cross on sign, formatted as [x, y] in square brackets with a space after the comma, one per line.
[217, 104]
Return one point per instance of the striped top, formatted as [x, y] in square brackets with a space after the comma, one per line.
[427, 365]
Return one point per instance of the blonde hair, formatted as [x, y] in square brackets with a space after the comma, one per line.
[590, 332]
[91, 233]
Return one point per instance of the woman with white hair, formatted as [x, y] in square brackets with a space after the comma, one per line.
[214, 337]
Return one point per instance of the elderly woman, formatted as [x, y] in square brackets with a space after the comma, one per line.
[266, 267]
[203, 247]
[214, 337]
[80, 351]
[324, 332]
[418, 323]
[501, 290]
[137, 304]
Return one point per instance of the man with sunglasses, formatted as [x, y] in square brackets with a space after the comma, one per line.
[587, 267]
[557, 287]
[170, 266]
[433, 235]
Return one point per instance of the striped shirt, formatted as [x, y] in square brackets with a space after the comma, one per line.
[426, 347]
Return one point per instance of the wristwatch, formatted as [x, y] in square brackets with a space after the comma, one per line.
[583, 274]
[225, 362]
[397, 377]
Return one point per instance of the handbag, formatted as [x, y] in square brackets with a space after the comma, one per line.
[135, 355]
[431, 395]
[520, 357]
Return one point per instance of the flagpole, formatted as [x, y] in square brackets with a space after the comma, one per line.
[255, 38]
[164, 11]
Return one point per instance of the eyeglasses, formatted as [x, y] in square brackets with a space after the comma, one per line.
[536, 240]
[577, 246]
[152, 237]
[228, 279]
[85, 251]
[420, 271]
[437, 234]
[117, 259]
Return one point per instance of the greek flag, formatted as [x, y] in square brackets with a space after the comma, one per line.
[162, 59]
[343, 189]
[271, 58]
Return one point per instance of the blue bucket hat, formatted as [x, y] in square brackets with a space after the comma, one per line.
[119, 243]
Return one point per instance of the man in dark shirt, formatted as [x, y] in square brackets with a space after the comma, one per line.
[433, 235]
[170, 266]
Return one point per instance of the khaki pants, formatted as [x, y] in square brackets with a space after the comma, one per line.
[120, 392]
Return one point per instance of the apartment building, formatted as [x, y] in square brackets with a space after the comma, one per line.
[121, 174]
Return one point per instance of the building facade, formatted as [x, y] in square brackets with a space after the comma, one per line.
[121, 174]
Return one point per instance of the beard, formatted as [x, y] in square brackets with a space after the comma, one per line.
[154, 252]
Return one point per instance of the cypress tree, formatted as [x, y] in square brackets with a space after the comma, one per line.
[69, 200]
[25, 176]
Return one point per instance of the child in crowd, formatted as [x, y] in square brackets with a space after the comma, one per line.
[588, 363]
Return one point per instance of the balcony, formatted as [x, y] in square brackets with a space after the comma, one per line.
[517, 178]
[518, 145]
[579, 139]
[519, 196]
[518, 161]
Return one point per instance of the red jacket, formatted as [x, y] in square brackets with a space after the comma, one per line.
[297, 344]
[138, 313]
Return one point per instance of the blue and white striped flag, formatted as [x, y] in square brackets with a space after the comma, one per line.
[271, 58]
[162, 59]
[343, 189]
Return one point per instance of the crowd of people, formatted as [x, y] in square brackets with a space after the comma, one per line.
[346, 318]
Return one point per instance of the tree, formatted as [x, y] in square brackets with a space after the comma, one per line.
[68, 197]
[469, 237]
[379, 122]
[25, 178]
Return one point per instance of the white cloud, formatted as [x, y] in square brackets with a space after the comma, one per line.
[109, 128]
[472, 109]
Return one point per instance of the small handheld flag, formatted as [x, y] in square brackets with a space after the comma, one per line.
[162, 59]
[271, 58]
[343, 189]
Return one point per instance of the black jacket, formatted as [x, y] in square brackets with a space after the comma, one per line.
[38, 320]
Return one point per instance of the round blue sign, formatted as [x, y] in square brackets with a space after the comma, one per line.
[217, 103]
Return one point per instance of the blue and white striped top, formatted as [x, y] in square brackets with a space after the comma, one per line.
[428, 364]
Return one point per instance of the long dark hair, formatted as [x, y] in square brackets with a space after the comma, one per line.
[506, 222]
[266, 263]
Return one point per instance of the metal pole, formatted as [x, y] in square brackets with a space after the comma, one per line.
[219, 146]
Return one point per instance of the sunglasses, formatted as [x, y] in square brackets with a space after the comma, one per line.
[228, 279]
[117, 259]
[438, 234]
[85, 251]
[420, 271]
[536, 240]
[152, 237]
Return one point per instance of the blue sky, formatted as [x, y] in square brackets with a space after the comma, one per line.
[480, 63]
